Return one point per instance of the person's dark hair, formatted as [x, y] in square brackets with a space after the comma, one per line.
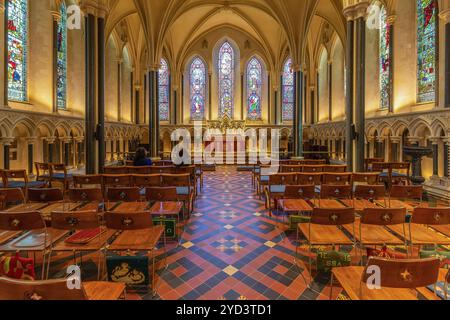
[141, 153]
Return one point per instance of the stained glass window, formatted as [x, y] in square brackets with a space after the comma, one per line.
[288, 91]
[17, 49]
[197, 81]
[226, 80]
[385, 60]
[61, 59]
[254, 89]
[164, 91]
[426, 50]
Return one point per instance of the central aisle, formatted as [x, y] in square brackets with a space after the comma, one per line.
[232, 250]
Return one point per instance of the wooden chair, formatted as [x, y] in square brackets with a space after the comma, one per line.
[38, 238]
[125, 194]
[146, 180]
[419, 231]
[162, 169]
[116, 170]
[399, 279]
[312, 162]
[291, 168]
[183, 184]
[313, 168]
[336, 192]
[305, 192]
[162, 194]
[86, 195]
[309, 179]
[262, 178]
[277, 186]
[94, 180]
[400, 173]
[139, 170]
[59, 173]
[43, 173]
[373, 223]
[324, 229]
[337, 178]
[138, 234]
[370, 161]
[11, 195]
[116, 181]
[370, 178]
[80, 221]
[370, 193]
[335, 169]
[405, 193]
[58, 290]
[19, 179]
[45, 195]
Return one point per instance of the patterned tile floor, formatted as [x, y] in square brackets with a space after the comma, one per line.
[230, 250]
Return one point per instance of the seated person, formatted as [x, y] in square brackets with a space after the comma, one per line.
[140, 159]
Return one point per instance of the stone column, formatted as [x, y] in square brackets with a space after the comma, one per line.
[395, 148]
[445, 16]
[435, 145]
[6, 146]
[30, 153]
[137, 103]
[360, 97]
[119, 89]
[101, 67]
[66, 150]
[349, 71]
[330, 90]
[50, 143]
[80, 157]
[391, 21]
[447, 158]
[298, 112]
[153, 110]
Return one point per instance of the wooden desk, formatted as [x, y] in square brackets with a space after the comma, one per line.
[395, 204]
[350, 280]
[33, 241]
[27, 207]
[327, 204]
[104, 291]
[443, 229]
[128, 207]
[170, 208]
[93, 245]
[293, 206]
[422, 235]
[324, 235]
[359, 204]
[145, 239]
[374, 235]
[6, 236]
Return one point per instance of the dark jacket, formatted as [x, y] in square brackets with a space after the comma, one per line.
[142, 162]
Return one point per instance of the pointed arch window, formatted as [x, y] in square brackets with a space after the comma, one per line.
[385, 60]
[254, 89]
[287, 93]
[426, 50]
[197, 82]
[61, 59]
[226, 66]
[17, 50]
[163, 90]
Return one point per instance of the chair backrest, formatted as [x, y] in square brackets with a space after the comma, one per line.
[45, 195]
[407, 192]
[404, 274]
[368, 192]
[139, 170]
[128, 194]
[81, 195]
[21, 221]
[306, 192]
[309, 179]
[162, 169]
[14, 175]
[313, 168]
[147, 180]
[336, 192]
[13, 195]
[115, 170]
[42, 169]
[128, 221]
[337, 178]
[291, 168]
[370, 178]
[313, 162]
[333, 217]
[58, 167]
[11, 289]
[368, 162]
[283, 179]
[431, 216]
[75, 220]
[383, 217]
[120, 180]
[381, 167]
[87, 180]
[176, 180]
[161, 194]
[335, 168]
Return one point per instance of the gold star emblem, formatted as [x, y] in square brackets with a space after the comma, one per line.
[334, 217]
[406, 276]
